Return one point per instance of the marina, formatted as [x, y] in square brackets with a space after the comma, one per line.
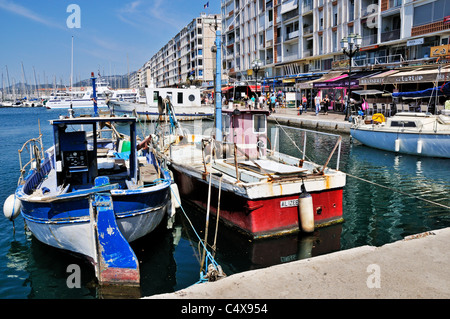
[327, 178]
[373, 216]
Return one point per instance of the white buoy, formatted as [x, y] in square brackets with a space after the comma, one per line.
[397, 145]
[419, 146]
[175, 195]
[306, 210]
[12, 207]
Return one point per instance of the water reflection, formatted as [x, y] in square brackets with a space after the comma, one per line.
[376, 215]
[237, 252]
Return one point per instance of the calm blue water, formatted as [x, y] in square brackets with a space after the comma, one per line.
[169, 259]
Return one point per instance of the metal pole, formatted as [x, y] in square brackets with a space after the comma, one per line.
[94, 94]
[218, 97]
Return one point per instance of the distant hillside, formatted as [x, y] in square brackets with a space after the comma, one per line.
[115, 81]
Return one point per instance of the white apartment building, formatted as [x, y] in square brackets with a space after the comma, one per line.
[294, 37]
[186, 58]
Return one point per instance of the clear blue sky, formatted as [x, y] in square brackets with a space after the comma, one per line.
[35, 33]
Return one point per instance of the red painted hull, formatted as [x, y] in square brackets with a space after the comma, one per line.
[262, 217]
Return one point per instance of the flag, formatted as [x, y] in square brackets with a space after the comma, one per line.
[206, 5]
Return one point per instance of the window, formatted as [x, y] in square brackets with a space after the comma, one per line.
[259, 123]
[431, 12]
[226, 123]
[155, 96]
[180, 97]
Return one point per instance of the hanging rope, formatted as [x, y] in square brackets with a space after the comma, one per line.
[213, 270]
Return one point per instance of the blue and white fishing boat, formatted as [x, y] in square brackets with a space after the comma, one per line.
[92, 192]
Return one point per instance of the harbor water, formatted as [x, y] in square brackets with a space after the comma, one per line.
[374, 215]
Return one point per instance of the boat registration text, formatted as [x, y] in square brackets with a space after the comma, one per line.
[289, 203]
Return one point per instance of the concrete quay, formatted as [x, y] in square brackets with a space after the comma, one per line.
[333, 122]
[416, 267]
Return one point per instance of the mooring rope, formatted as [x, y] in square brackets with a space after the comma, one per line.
[373, 183]
[203, 274]
[398, 191]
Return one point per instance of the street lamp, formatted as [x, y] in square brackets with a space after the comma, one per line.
[350, 47]
[256, 66]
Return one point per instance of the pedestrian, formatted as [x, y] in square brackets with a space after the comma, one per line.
[272, 103]
[261, 101]
[326, 103]
[317, 101]
[304, 103]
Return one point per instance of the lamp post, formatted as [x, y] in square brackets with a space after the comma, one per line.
[350, 47]
[256, 66]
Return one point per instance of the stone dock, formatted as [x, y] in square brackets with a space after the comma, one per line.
[332, 122]
[416, 267]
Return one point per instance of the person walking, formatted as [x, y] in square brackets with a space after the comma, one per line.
[317, 101]
[304, 104]
[326, 103]
[272, 103]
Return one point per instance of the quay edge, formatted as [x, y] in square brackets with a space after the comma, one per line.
[332, 122]
[413, 268]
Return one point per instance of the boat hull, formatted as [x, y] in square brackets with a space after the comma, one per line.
[265, 216]
[431, 145]
[145, 112]
[67, 224]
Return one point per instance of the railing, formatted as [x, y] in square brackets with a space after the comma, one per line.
[291, 35]
[307, 6]
[369, 40]
[307, 30]
[337, 145]
[390, 35]
[395, 58]
[36, 151]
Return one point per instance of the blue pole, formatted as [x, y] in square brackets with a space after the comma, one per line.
[218, 89]
[94, 94]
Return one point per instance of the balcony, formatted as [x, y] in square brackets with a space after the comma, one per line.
[369, 40]
[291, 35]
[390, 35]
[307, 30]
[307, 53]
[307, 6]
[389, 59]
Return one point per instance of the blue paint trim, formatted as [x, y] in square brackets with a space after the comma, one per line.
[115, 250]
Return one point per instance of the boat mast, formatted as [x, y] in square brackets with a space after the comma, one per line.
[71, 81]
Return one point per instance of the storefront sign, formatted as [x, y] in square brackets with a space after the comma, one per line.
[335, 84]
[340, 64]
[441, 50]
[371, 81]
[415, 42]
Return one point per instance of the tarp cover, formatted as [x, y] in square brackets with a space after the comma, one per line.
[435, 91]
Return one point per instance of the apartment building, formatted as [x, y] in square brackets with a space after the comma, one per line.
[186, 58]
[295, 37]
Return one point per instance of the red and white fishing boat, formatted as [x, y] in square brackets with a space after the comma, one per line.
[257, 189]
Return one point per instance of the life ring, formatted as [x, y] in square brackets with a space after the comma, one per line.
[378, 118]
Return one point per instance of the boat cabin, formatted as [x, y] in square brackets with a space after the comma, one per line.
[178, 97]
[83, 152]
[246, 128]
